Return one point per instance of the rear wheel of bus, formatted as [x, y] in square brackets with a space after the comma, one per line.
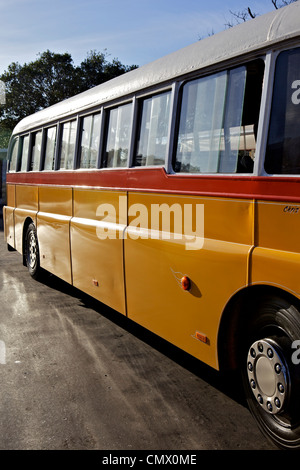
[272, 371]
[32, 254]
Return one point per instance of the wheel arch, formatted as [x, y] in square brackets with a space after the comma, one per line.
[236, 318]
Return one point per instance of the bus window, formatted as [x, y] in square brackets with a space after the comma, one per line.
[36, 148]
[118, 136]
[49, 163]
[24, 154]
[218, 121]
[13, 154]
[90, 137]
[283, 149]
[67, 150]
[153, 132]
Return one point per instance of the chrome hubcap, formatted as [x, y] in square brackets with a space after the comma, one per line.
[268, 375]
[32, 250]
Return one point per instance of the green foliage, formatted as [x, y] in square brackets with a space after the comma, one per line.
[95, 69]
[51, 78]
[4, 137]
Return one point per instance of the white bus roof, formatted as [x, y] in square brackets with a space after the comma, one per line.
[259, 33]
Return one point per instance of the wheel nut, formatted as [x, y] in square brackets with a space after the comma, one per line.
[253, 384]
[269, 406]
[250, 366]
[277, 402]
[260, 347]
[281, 388]
[270, 353]
[277, 368]
[253, 353]
[260, 399]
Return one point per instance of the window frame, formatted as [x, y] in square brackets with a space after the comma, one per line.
[21, 148]
[61, 124]
[81, 117]
[15, 142]
[104, 133]
[32, 146]
[226, 68]
[272, 57]
[138, 116]
[44, 147]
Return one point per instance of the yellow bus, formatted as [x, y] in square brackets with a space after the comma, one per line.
[172, 195]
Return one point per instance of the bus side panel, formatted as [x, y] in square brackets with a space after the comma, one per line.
[26, 207]
[97, 245]
[11, 195]
[9, 226]
[53, 230]
[276, 268]
[8, 215]
[276, 259]
[217, 269]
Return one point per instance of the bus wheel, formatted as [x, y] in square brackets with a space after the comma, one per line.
[32, 256]
[271, 371]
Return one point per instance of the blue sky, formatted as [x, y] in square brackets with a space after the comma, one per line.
[134, 31]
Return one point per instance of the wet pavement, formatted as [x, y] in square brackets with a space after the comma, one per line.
[77, 375]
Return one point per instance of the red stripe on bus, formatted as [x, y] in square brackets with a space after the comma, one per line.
[157, 180]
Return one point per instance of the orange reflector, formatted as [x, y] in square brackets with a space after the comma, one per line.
[201, 337]
[95, 282]
[185, 283]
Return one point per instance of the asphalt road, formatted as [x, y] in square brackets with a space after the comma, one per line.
[76, 375]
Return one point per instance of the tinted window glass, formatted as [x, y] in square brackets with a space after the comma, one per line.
[13, 154]
[153, 132]
[283, 150]
[50, 147]
[118, 136]
[67, 150]
[36, 149]
[24, 154]
[218, 122]
[90, 137]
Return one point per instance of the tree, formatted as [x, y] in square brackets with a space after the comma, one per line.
[36, 85]
[247, 13]
[4, 138]
[51, 78]
[96, 69]
[283, 3]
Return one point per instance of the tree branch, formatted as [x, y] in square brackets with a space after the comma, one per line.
[252, 15]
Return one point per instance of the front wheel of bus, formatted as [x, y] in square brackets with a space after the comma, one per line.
[272, 371]
[32, 256]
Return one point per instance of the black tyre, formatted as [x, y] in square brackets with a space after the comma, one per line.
[271, 371]
[32, 255]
